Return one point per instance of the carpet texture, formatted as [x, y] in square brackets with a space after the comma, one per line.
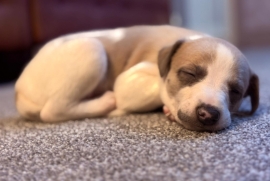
[137, 147]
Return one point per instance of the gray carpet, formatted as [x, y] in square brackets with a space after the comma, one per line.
[137, 147]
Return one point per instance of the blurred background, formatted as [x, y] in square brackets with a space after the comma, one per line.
[27, 24]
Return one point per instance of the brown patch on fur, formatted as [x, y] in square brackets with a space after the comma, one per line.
[189, 63]
[244, 82]
[165, 57]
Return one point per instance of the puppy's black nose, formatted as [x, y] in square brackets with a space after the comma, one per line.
[208, 115]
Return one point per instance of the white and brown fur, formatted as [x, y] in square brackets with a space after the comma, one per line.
[137, 69]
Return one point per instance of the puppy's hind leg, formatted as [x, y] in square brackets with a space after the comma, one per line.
[65, 110]
[83, 66]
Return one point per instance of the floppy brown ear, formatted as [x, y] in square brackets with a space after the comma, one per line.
[253, 92]
[165, 57]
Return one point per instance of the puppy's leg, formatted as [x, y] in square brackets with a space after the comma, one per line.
[61, 110]
[60, 77]
[137, 89]
[168, 113]
[84, 67]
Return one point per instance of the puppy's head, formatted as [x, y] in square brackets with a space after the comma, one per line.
[204, 82]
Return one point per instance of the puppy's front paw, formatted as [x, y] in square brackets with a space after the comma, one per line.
[117, 112]
[108, 101]
[168, 113]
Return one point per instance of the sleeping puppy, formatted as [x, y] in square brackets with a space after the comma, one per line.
[200, 80]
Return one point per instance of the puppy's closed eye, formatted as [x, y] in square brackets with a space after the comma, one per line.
[186, 77]
[235, 89]
[190, 75]
[187, 73]
[235, 94]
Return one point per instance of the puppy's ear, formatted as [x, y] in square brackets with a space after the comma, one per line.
[253, 92]
[165, 57]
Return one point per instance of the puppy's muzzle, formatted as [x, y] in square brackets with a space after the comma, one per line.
[207, 115]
